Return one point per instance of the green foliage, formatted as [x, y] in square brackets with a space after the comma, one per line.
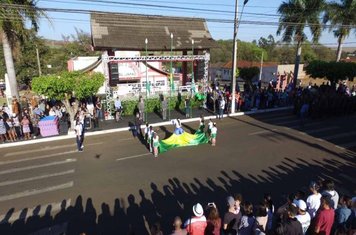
[68, 84]
[333, 71]
[154, 105]
[249, 73]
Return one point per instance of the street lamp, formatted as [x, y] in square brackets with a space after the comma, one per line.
[171, 79]
[147, 85]
[193, 82]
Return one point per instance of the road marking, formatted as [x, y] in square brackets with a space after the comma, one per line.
[55, 207]
[131, 157]
[45, 149]
[70, 160]
[32, 192]
[10, 182]
[36, 158]
[262, 132]
[339, 135]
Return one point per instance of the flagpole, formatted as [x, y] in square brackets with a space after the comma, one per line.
[193, 82]
[146, 103]
[170, 79]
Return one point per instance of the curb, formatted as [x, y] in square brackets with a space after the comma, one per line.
[122, 129]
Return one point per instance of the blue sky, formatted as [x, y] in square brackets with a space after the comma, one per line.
[65, 23]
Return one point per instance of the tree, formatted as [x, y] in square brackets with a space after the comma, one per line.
[295, 16]
[333, 71]
[66, 85]
[342, 16]
[26, 62]
[14, 15]
[249, 73]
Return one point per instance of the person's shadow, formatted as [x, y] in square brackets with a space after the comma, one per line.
[148, 209]
[120, 218]
[105, 221]
[135, 217]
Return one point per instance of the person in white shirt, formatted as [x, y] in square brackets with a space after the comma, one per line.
[78, 133]
[329, 190]
[214, 131]
[303, 217]
[313, 201]
[118, 109]
[155, 143]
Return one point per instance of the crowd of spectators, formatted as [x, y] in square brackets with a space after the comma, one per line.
[219, 99]
[325, 101]
[319, 211]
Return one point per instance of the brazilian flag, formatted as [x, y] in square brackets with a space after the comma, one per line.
[183, 140]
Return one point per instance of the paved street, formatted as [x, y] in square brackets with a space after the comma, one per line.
[115, 182]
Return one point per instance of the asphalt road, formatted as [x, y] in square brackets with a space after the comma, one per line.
[115, 185]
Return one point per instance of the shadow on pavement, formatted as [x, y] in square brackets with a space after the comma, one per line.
[136, 215]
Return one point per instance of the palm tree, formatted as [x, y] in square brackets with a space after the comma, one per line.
[341, 16]
[13, 16]
[295, 16]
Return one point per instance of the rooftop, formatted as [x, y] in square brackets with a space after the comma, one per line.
[128, 32]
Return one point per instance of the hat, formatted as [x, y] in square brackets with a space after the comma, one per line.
[198, 210]
[301, 205]
[230, 201]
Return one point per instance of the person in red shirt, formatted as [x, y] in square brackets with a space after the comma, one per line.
[324, 219]
[196, 224]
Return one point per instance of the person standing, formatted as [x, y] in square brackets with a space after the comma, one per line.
[118, 109]
[324, 219]
[231, 220]
[303, 216]
[78, 134]
[164, 105]
[313, 201]
[291, 225]
[213, 220]
[196, 224]
[98, 110]
[141, 109]
[214, 131]
[177, 224]
[221, 107]
[26, 127]
[187, 106]
[155, 143]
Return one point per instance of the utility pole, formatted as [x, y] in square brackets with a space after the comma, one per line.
[234, 60]
[38, 62]
[261, 66]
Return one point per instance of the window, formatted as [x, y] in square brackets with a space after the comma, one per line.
[114, 71]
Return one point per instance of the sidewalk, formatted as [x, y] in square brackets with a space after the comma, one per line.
[111, 126]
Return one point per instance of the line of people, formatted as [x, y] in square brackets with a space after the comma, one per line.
[321, 212]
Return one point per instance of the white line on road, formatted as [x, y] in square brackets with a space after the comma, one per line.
[36, 158]
[55, 207]
[10, 182]
[262, 132]
[47, 148]
[70, 160]
[131, 157]
[32, 192]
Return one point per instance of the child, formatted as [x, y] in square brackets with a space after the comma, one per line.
[26, 127]
[17, 126]
[155, 143]
[210, 125]
[214, 131]
[11, 131]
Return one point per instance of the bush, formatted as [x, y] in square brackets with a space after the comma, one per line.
[154, 105]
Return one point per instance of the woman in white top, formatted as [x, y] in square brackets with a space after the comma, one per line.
[313, 201]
